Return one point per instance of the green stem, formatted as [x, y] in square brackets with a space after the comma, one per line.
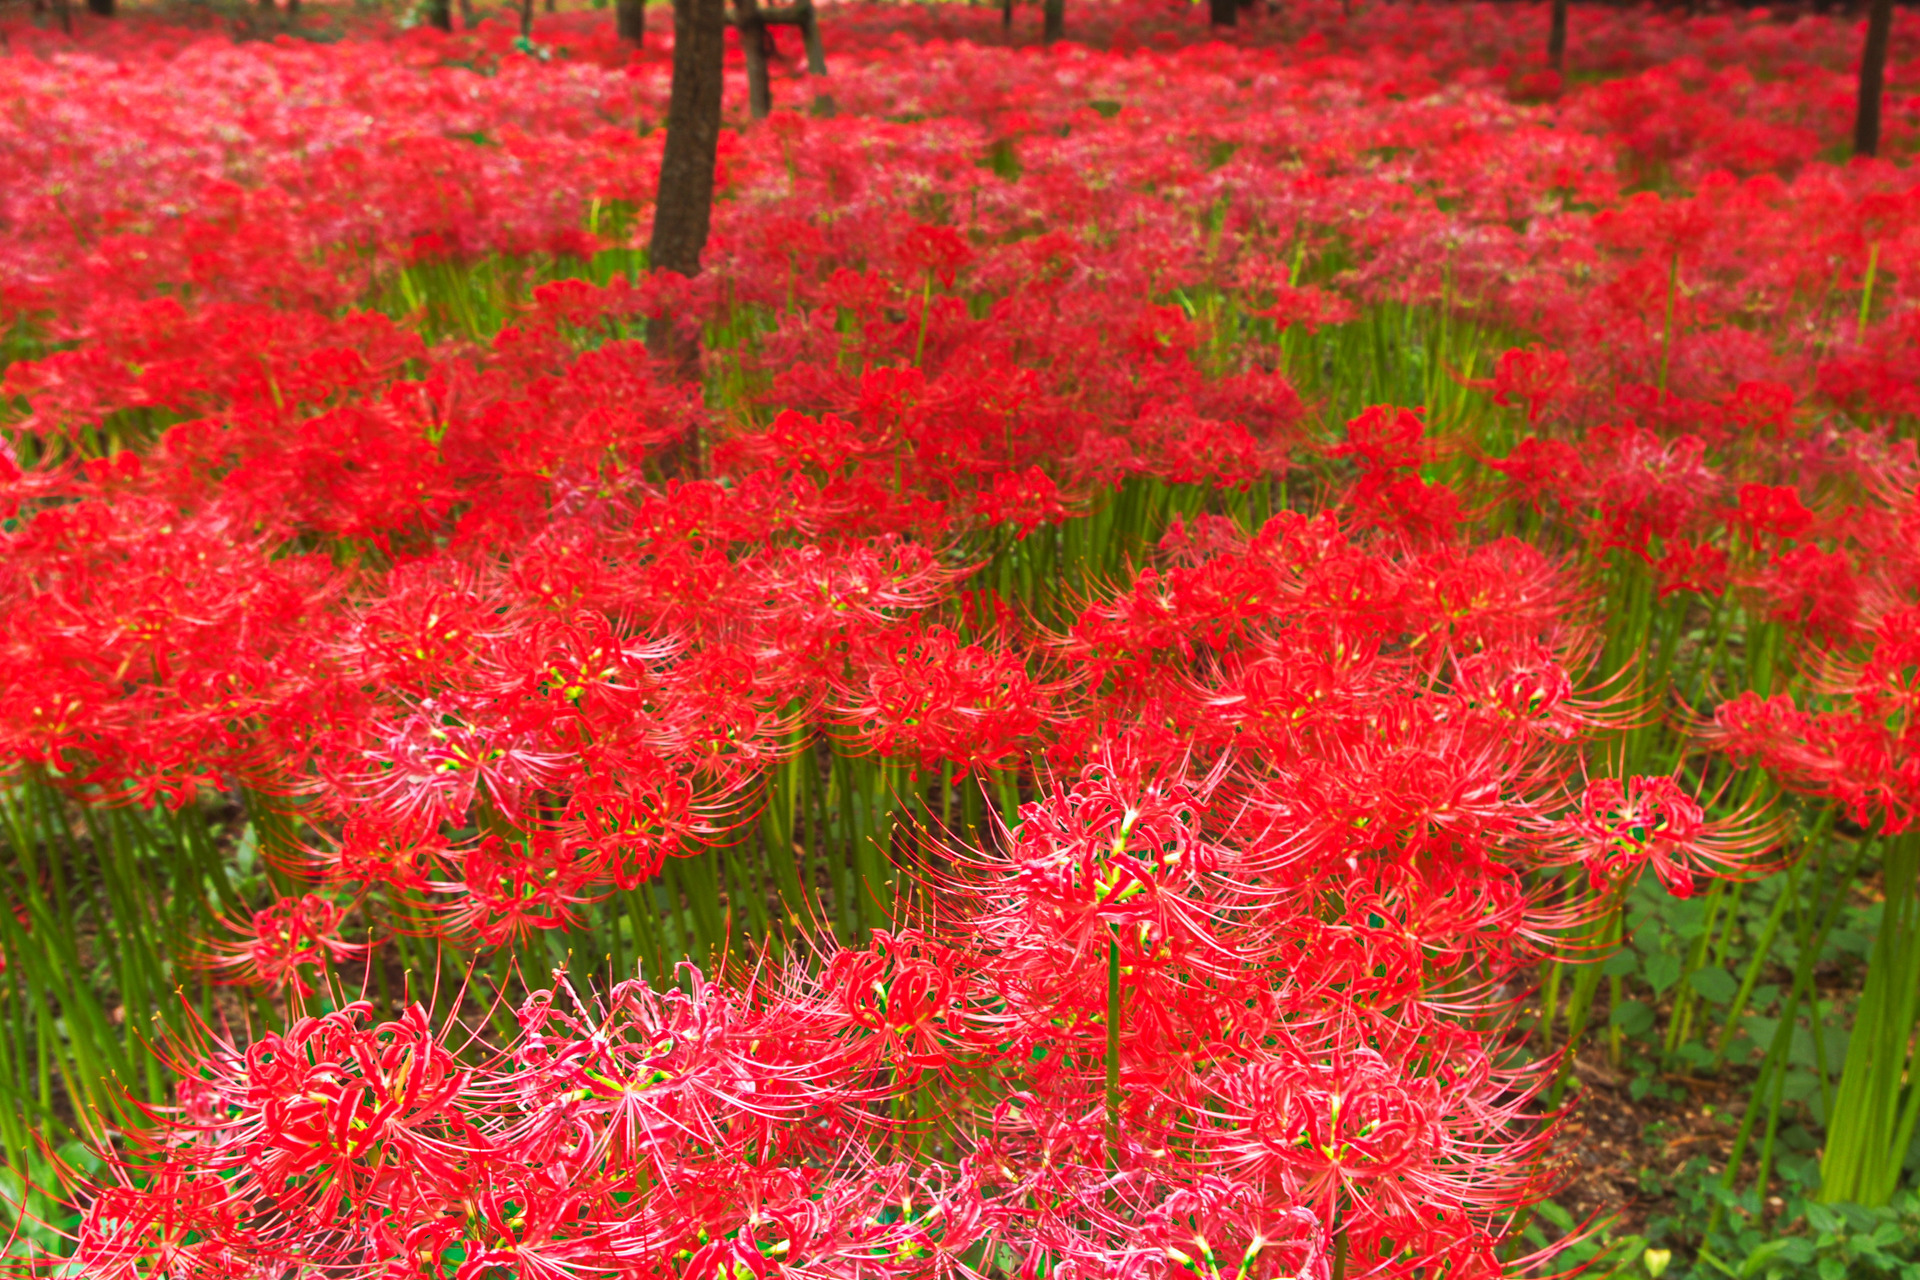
[1866, 293]
[1869, 1124]
[1113, 1045]
[1666, 333]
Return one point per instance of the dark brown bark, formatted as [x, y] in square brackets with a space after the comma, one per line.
[683, 209]
[809, 24]
[1054, 20]
[100, 8]
[1223, 13]
[526, 19]
[1873, 78]
[1557, 36]
[440, 14]
[753, 44]
[808, 20]
[630, 20]
[1006, 15]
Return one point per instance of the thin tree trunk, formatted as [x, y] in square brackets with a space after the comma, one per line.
[809, 25]
[1873, 78]
[1557, 36]
[1223, 13]
[65, 8]
[630, 20]
[683, 209]
[104, 8]
[753, 43]
[1054, 23]
[1006, 15]
[466, 15]
[823, 103]
[526, 20]
[440, 14]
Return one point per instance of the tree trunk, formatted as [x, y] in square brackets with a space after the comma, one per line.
[1223, 13]
[1054, 23]
[1006, 15]
[753, 43]
[630, 19]
[683, 209]
[440, 14]
[526, 20]
[1557, 36]
[1873, 77]
[66, 15]
[104, 9]
[823, 103]
[466, 15]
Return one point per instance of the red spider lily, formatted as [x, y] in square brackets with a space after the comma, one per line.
[1651, 821]
[451, 583]
[1774, 509]
[511, 887]
[1533, 376]
[1687, 566]
[917, 691]
[1859, 751]
[282, 940]
[912, 996]
[939, 250]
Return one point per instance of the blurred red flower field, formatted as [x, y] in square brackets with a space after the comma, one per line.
[1172, 625]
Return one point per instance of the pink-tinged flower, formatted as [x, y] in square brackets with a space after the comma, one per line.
[1772, 509]
[1692, 566]
[511, 888]
[1533, 376]
[1539, 469]
[1646, 821]
[282, 940]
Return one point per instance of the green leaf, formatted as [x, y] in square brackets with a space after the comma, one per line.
[1662, 972]
[1824, 1218]
[1620, 964]
[1764, 1254]
[1714, 984]
[1632, 1017]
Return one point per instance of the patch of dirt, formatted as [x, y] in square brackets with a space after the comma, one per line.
[1621, 1152]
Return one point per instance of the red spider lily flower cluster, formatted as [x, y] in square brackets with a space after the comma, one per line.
[1303, 938]
[314, 486]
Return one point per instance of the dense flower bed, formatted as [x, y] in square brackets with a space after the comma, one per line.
[1194, 571]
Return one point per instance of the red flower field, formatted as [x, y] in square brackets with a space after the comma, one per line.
[1182, 642]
